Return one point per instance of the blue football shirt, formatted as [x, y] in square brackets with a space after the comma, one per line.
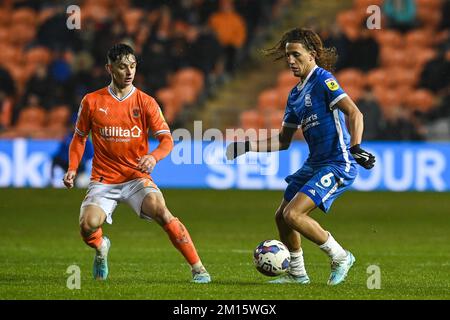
[311, 106]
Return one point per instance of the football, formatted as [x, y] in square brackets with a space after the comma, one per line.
[271, 258]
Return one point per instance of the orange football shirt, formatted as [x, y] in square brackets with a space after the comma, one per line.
[120, 131]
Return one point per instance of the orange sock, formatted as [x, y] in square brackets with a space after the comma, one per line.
[181, 239]
[95, 239]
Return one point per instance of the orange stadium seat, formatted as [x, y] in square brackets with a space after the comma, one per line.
[251, 119]
[419, 38]
[378, 77]
[283, 93]
[431, 4]
[350, 77]
[421, 100]
[389, 100]
[25, 16]
[30, 120]
[169, 103]
[58, 116]
[390, 38]
[268, 99]
[354, 92]
[417, 57]
[45, 14]
[38, 55]
[5, 35]
[403, 76]
[349, 18]
[286, 78]
[22, 34]
[186, 93]
[5, 17]
[274, 119]
[392, 57]
[131, 17]
[189, 76]
[366, 3]
[429, 17]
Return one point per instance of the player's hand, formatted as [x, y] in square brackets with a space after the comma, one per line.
[236, 149]
[69, 178]
[146, 163]
[362, 157]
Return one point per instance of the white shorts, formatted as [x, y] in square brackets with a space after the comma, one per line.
[108, 196]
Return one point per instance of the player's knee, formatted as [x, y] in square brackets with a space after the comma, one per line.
[157, 210]
[292, 216]
[89, 223]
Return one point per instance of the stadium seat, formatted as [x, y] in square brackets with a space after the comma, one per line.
[419, 38]
[30, 120]
[23, 34]
[269, 99]
[389, 100]
[45, 14]
[283, 93]
[366, 3]
[38, 55]
[58, 116]
[274, 119]
[429, 17]
[189, 76]
[417, 57]
[286, 78]
[131, 17]
[378, 77]
[350, 77]
[170, 103]
[251, 119]
[429, 4]
[354, 92]
[186, 93]
[390, 38]
[24, 16]
[392, 57]
[5, 18]
[421, 100]
[403, 76]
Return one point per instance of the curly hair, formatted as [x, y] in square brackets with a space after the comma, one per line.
[325, 57]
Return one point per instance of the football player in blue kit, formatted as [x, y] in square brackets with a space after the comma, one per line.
[317, 105]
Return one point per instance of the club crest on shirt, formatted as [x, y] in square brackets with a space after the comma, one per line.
[308, 102]
[332, 84]
[135, 112]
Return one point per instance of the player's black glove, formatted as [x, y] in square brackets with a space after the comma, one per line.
[363, 158]
[235, 149]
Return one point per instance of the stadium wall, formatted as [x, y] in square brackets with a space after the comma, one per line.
[401, 166]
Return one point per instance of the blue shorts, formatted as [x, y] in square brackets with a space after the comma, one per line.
[323, 184]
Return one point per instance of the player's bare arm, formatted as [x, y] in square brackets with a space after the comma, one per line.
[282, 141]
[76, 151]
[356, 128]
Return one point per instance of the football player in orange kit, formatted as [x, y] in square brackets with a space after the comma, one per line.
[119, 117]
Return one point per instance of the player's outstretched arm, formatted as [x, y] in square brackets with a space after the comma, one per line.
[279, 142]
[356, 127]
[76, 151]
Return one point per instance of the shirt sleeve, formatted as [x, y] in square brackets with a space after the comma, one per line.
[155, 119]
[290, 119]
[83, 125]
[333, 91]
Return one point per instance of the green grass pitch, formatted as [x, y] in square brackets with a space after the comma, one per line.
[407, 235]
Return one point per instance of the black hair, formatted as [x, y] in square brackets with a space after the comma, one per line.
[118, 51]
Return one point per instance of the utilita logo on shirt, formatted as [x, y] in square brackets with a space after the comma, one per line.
[113, 132]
